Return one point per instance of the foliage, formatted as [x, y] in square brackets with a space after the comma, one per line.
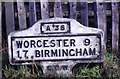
[109, 69]
[89, 72]
[21, 72]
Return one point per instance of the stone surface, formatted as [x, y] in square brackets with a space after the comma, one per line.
[56, 44]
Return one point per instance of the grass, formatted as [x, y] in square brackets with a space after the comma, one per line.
[111, 65]
[110, 69]
[21, 72]
[89, 72]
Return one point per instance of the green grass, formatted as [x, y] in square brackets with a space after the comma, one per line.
[21, 72]
[93, 72]
[109, 70]
[111, 66]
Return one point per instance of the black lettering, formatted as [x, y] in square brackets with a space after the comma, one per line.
[26, 51]
[62, 27]
[65, 43]
[47, 53]
[70, 52]
[58, 42]
[19, 54]
[72, 42]
[86, 42]
[45, 42]
[37, 53]
[64, 67]
[56, 27]
[85, 52]
[49, 68]
[54, 53]
[64, 52]
[57, 67]
[26, 44]
[19, 44]
[92, 52]
[59, 53]
[39, 43]
[41, 53]
[79, 51]
[52, 43]
[48, 28]
[33, 43]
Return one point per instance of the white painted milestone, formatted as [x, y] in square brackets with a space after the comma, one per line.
[56, 39]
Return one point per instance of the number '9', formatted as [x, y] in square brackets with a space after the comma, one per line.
[86, 42]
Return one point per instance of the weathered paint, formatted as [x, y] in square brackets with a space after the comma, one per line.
[58, 9]
[0, 25]
[53, 30]
[21, 14]
[9, 12]
[115, 25]
[0, 39]
[73, 5]
[84, 12]
[100, 17]
[54, 44]
[32, 12]
[44, 9]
